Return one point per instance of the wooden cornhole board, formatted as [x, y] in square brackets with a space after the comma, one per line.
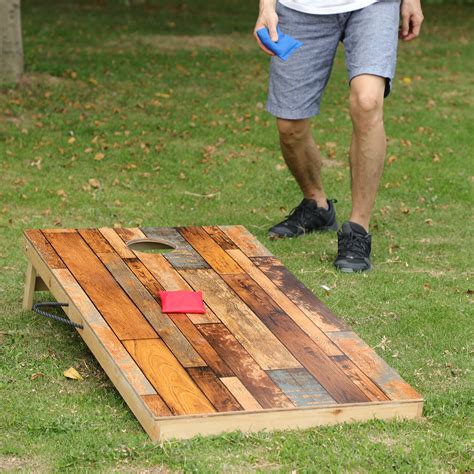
[267, 354]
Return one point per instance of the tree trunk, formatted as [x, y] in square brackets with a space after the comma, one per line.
[11, 47]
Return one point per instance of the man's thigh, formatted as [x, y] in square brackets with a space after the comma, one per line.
[297, 84]
[371, 39]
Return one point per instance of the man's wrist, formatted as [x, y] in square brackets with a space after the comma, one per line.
[265, 4]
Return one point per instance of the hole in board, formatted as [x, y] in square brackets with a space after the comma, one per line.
[150, 246]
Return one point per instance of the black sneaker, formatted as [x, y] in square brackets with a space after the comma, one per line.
[353, 248]
[305, 218]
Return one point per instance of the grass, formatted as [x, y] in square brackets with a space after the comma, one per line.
[118, 121]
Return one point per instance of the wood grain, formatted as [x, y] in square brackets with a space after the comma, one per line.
[150, 308]
[116, 242]
[145, 277]
[374, 366]
[214, 389]
[220, 237]
[95, 240]
[257, 382]
[214, 255]
[247, 328]
[247, 242]
[113, 303]
[184, 256]
[301, 387]
[44, 248]
[306, 351]
[171, 280]
[241, 394]
[156, 405]
[288, 306]
[200, 344]
[319, 313]
[169, 378]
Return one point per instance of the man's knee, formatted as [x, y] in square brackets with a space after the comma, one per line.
[366, 103]
[292, 131]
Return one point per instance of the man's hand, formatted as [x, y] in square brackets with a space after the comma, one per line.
[412, 18]
[269, 19]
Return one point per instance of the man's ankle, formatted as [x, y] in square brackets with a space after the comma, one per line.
[321, 200]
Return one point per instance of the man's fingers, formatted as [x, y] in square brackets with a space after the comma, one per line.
[405, 24]
[273, 33]
[265, 50]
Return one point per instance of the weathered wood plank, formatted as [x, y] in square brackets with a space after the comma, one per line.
[214, 389]
[150, 308]
[108, 340]
[302, 296]
[220, 237]
[374, 366]
[96, 240]
[247, 328]
[288, 306]
[156, 405]
[214, 255]
[116, 242]
[113, 303]
[301, 387]
[171, 280]
[146, 278]
[246, 241]
[241, 394]
[306, 351]
[168, 376]
[257, 382]
[44, 248]
[200, 344]
[184, 256]
[367, 385]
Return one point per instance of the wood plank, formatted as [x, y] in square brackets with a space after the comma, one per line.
[301, 387]
[367, 385]
[116, 242]
[43, 247]
[200, 344]
[30, 283]
[214, 389]
[96, 240]
[113, 303]
[169, 378]
[216, 257]
[241, 394]
[129, 233]
[108, 340]
[247, 328]
[257, 382]
[171, 280]
[374, 366]
[220, 237]
[288, 306]
[184, 256]
[306, 351]
[267, 261]
[156, 405]
[301, 418]
[150, 308]
[302, 296]
[145, 277]
[246, 241]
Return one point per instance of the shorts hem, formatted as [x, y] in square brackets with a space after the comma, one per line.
[388, 75]
[292, 114]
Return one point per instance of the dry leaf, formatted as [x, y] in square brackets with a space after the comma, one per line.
[72, 140]
[73, 374]
[99, 156]
[407, 80]
[392, 159]
[95, 183]
[280, 167]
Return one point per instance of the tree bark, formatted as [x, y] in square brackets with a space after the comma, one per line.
[11, 47]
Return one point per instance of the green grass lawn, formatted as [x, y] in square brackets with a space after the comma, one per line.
[119, 121]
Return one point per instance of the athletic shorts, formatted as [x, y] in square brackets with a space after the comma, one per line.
[370, 38]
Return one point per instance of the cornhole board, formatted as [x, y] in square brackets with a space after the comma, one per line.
[267, 354]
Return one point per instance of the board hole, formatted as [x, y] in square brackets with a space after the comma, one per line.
[150, 246]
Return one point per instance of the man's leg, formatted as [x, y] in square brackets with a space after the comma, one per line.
[302, 158]
[368, 147]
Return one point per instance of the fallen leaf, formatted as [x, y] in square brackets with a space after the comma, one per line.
[280, 167]
[392, 159]
[429, 221]
[73, 374]
[407, 80]
[72, 140]
[99, 156]
[37, 375]
[95, 183]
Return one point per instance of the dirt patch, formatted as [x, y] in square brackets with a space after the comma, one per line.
[14, 464]
[41, 78]
[170, 43]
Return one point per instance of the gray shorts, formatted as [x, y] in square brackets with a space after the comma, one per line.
[370, 38]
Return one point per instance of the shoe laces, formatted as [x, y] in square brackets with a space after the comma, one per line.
[354, 243]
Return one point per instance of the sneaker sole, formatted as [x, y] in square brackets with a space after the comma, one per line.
[275, 236]
[353, 269]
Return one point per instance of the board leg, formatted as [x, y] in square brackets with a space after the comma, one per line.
[30, 284]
